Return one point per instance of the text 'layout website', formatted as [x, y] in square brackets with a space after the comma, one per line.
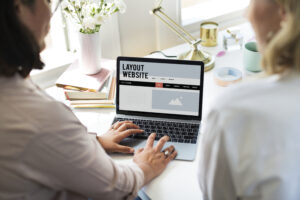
[159, 88]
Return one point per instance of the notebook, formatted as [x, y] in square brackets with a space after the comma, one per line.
[74, 78]
[106, 93]
[162, 96]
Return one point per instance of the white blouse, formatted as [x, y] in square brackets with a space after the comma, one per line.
[250, 144]
[46, 153]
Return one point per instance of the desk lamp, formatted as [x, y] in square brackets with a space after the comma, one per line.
[194, 53]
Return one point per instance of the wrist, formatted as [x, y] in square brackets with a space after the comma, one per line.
[148, 172]
[99, 139]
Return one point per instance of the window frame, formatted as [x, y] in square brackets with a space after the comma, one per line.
[224, 20]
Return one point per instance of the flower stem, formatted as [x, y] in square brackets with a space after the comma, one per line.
[77, 13]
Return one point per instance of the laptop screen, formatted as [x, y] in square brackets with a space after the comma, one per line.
[159, 86]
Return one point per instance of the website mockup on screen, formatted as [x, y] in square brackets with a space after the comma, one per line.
[154, 87]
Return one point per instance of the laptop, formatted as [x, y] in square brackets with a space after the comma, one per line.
[162, 96]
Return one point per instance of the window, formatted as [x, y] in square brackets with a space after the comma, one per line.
[56, 41]
[56, 55]
[221, 11]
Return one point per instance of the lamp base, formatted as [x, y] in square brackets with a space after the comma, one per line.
[195, 54]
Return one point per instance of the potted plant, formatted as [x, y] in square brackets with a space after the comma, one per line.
[89, 15]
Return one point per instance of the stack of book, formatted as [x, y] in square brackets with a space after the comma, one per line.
[89, 91]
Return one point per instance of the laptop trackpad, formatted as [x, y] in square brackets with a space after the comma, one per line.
[131, 142]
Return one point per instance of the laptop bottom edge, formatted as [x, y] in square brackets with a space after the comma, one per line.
[186, 152]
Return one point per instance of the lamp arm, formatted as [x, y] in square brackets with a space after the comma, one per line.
[183, 34]
[179, 27]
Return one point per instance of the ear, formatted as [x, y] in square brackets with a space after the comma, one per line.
[20, 8]
[18, 5]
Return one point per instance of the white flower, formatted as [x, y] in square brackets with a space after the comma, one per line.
[121, 5]
[91, 14]
[99, 19]
[92, 5]
[64, 5]
[88, 22]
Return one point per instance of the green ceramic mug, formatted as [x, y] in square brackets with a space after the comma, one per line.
[251, 57]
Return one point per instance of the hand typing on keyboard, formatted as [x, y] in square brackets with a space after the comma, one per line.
[152, 159]
[118, 131]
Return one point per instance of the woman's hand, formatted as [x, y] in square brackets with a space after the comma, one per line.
[118, 131]
[151, 159]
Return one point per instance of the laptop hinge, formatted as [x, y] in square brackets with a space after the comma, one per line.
[158, 118]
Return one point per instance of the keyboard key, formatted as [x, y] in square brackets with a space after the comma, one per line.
[140, 136]
[174, 140]
[187, 141]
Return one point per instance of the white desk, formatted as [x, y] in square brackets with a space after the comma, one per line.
[179, 180]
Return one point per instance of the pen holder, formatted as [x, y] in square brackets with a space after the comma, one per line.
[209, 34]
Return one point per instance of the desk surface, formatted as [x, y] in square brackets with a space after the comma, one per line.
[179, 180]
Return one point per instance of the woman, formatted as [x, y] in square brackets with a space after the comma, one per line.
[250, 144]
[45, 152]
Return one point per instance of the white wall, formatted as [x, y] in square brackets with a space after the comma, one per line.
[110, 38]
[166, 37]
[137, 28]
[142, 33]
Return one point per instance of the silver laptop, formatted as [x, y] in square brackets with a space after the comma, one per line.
[162, 96]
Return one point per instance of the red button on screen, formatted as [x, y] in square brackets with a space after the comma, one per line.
[159, 85]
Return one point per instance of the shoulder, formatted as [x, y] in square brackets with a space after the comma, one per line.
[32, 107]
[241, 94]
[238, 107]
[51, 115]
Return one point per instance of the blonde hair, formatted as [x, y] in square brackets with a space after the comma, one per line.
[283, 51]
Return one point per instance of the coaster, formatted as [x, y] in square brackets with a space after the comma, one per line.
[227, 75]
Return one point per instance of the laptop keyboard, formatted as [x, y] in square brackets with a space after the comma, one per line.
[178, 132]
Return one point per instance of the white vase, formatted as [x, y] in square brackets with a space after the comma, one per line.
[89, 53]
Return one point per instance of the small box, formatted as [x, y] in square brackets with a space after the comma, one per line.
[232, 40]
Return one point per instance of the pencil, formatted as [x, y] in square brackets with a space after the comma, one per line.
[94, 106]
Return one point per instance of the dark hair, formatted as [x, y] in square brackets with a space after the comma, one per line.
[19, 50]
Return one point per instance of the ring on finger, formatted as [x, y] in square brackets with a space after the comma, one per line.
[166, 153]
